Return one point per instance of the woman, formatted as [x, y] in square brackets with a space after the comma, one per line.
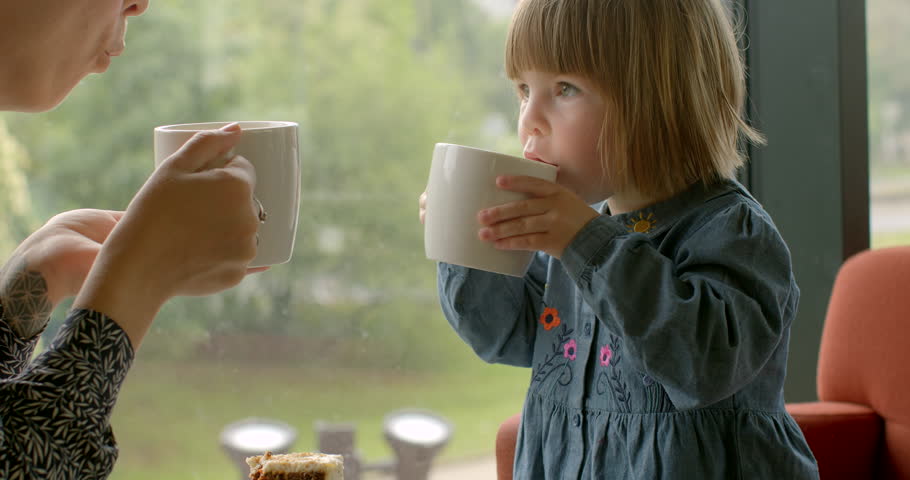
[190, 230]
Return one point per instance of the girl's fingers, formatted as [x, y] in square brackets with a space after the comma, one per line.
[531, 242]
[514, 228]
[509, 211]
[530, 185]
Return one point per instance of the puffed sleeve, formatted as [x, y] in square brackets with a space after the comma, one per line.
[14, 351]
[494, 314]
[55, 415]
[702, 319]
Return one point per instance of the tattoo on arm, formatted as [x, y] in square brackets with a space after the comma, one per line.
[23, 294]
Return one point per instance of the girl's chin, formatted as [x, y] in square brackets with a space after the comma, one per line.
[589, 197]
[594, 198]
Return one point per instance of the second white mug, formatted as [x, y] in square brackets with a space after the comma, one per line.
[462, 183]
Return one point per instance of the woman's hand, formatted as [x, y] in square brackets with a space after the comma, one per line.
[63, 250]
[50, 265]
[547, 221]
[191, 230]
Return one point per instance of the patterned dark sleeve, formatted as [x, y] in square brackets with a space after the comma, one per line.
[55, 415]
[14, 352]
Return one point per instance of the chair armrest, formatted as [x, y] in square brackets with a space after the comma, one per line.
[844, 437]
[506, 438]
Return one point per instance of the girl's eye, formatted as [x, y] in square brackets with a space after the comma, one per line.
[567, 90]
[523, 91]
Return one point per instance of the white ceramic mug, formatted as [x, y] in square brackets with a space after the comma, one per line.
[272, 148]
[462, 183]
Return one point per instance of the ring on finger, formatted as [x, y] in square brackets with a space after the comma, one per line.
[261, 213]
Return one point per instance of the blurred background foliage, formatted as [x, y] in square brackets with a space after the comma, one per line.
[374, 84]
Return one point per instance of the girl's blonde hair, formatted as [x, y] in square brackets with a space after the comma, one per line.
[672, 75]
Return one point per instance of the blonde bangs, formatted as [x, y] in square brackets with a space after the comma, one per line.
[670, 71]
[555, 37]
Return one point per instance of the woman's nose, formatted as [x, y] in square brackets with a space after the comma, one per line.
[134, 8]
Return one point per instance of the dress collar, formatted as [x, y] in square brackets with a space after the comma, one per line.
[659, 217]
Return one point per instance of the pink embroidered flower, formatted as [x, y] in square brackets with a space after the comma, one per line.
[569, 349]
[605, 355]
[550, 318]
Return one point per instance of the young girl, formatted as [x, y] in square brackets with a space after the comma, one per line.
[657, 322]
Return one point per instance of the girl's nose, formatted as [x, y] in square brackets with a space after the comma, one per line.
[532, 120]
[134, 8]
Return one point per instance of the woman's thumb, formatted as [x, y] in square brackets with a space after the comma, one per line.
[206, 149]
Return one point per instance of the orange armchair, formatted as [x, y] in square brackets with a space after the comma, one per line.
[860, 427]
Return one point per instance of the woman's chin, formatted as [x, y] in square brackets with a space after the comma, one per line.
[41, 101]
[103, 63]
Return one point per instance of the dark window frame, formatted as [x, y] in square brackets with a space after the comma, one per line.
[808, 92]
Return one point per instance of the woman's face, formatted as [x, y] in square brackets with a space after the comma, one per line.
[48, 46]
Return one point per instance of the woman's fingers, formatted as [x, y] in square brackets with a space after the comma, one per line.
[206, 149]
[242, 168]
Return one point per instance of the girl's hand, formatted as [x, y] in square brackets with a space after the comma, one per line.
[422, 207]
[548, 221]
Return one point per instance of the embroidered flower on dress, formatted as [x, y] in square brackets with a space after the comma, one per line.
[570, 349]
[550, 318]
[605, 355]
[642, 224]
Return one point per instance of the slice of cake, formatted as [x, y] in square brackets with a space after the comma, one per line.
[296, 466]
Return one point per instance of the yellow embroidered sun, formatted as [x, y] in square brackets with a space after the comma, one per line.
[642, 224]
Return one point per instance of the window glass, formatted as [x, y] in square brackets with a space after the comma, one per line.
[348, 331]
[889, 121]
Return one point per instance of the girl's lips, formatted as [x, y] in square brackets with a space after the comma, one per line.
[530, 156]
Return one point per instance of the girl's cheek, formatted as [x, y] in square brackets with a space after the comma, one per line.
[522, 137]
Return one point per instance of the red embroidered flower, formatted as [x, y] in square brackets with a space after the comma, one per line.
[569, 349]
[550, 318]
[605, 355]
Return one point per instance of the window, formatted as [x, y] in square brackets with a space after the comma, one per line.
[889, 122]
[350, 329]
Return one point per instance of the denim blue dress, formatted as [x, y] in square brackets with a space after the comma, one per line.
[657, 345]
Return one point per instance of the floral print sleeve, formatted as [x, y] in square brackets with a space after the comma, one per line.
[14, 351]
[55, 414]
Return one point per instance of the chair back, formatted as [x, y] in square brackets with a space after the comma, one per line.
[865, 347]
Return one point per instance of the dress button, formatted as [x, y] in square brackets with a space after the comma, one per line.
[588, 329]
[577, 420]
[647, 380]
